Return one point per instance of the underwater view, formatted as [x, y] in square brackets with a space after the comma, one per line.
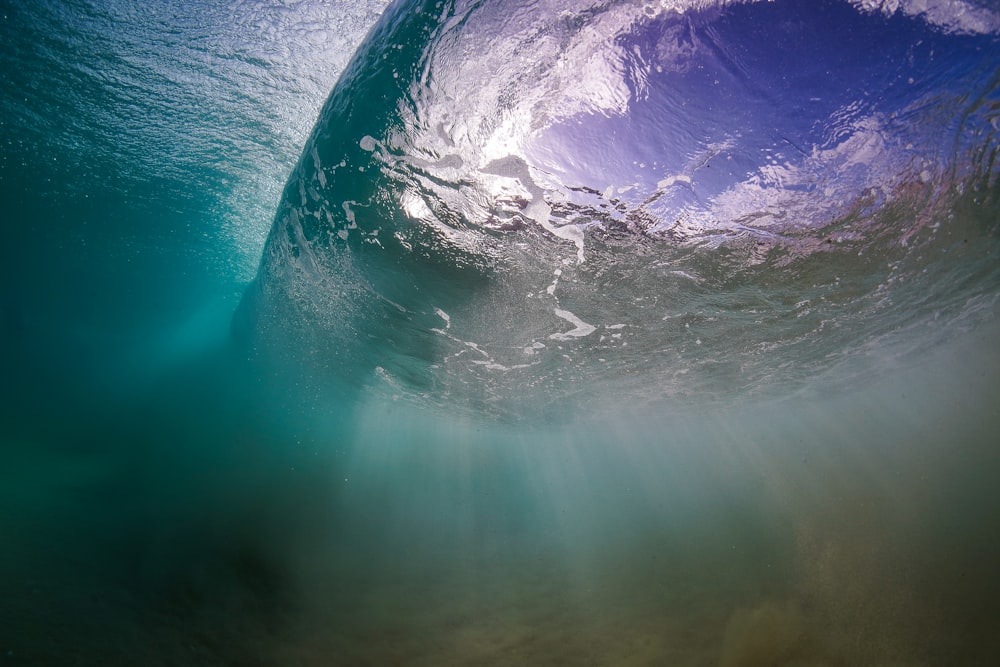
[500, 332]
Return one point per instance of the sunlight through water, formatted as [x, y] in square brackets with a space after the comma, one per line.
[499, 332]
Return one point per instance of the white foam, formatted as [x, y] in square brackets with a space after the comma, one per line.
[581, 328]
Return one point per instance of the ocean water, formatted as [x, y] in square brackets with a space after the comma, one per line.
[492, 333]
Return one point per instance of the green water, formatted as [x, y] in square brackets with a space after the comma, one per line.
[200, 524]
[171, 496]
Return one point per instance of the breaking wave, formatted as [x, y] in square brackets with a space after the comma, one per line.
[511, 206]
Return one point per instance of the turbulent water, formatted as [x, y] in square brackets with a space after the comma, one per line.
[633, 333]
[509, 206]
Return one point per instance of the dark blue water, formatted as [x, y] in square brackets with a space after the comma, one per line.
[608, 334]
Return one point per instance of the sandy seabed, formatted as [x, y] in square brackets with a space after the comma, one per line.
[860, 530]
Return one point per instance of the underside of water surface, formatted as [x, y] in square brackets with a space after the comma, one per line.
[587, 333]
[516, 207]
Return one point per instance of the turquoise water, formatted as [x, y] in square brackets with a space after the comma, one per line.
[603, 335]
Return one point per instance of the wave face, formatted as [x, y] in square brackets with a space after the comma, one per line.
[507, 205]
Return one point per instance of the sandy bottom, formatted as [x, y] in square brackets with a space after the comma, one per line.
[861, 530]
[846, 580]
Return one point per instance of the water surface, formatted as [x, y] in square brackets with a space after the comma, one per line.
[591, 335]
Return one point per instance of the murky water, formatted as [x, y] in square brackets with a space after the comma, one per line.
[786, 455]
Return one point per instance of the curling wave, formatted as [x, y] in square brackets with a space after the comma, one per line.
[513, 205]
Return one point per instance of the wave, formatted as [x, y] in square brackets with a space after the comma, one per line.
[514, 206]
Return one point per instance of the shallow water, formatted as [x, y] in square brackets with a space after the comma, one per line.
[170, 495]
[200, 525]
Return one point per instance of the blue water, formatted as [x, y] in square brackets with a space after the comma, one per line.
[506, 333]
[714, 204]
